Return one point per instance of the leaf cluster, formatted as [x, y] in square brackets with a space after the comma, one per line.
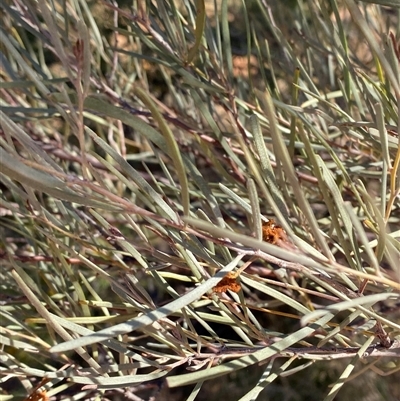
[143, 148]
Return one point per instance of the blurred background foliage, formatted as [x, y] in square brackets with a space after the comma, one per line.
[150, 148]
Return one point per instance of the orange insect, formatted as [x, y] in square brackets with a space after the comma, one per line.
[273, 233]
[38, 395]
[228, 283]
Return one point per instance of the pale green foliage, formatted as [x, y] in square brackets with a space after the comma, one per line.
[141, 149]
